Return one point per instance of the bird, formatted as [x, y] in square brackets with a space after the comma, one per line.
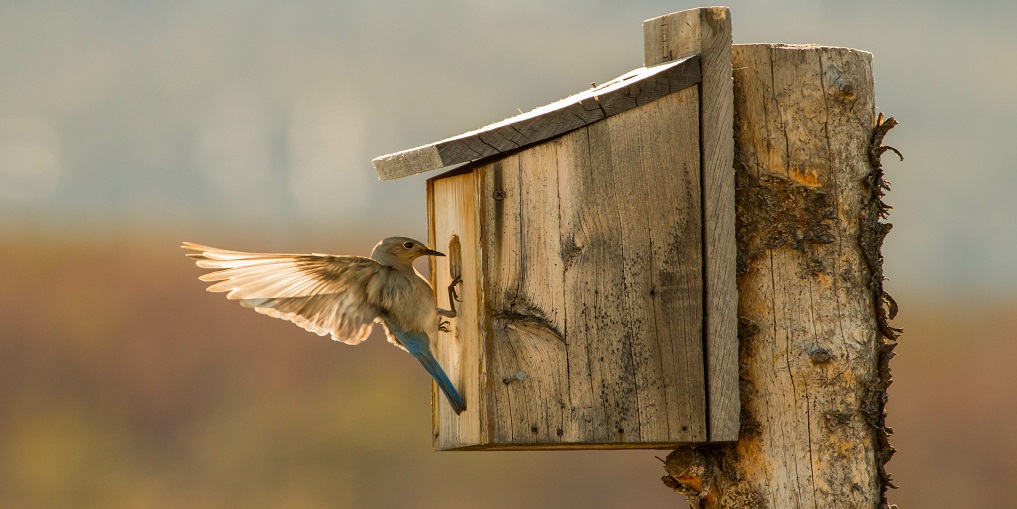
[341, 295]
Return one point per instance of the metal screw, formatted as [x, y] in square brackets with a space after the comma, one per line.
[499, 195]
[520, 376]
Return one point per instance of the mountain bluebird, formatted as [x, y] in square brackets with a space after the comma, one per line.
[340, 295]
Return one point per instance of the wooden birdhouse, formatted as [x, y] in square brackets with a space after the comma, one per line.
[595, 242]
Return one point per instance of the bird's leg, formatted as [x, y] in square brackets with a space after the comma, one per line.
[453, 297]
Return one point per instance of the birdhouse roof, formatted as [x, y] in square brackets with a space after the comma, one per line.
[632, 89]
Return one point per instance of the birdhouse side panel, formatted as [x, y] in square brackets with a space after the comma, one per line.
[592, 255]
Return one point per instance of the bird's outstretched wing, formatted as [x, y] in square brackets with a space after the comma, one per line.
[324, 294]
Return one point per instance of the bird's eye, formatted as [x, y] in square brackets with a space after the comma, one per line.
[408, 245]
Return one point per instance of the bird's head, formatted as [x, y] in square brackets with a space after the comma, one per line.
[401, 250]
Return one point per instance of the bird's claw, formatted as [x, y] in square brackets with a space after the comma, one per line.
[452, 293]
[453, 297]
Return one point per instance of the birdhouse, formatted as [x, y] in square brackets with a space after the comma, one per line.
[594, 239]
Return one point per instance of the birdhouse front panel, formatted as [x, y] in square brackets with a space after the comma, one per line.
[582, 301]
[461, 351]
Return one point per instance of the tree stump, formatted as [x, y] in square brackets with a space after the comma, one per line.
[811, 384]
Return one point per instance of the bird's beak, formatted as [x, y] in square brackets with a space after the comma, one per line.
[431, 252]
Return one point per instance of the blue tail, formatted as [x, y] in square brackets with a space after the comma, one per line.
[432, 367]
[418, 344]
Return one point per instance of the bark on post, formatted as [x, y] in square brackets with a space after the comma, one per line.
[811, 351]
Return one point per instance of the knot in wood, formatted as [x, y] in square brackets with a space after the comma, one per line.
[820, 355]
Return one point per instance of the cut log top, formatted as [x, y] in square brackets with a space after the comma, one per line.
[625, 92]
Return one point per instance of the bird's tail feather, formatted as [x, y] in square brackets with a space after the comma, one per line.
[418, 345]
[432, 367]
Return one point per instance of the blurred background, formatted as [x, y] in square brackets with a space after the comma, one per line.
[129, 126]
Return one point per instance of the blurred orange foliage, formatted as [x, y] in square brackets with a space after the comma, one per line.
[125, 384]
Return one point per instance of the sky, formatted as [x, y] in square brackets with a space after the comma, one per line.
[257, 119]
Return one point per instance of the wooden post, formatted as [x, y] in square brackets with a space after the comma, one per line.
[812, 390]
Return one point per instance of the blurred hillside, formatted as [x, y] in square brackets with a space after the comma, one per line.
[124, 384]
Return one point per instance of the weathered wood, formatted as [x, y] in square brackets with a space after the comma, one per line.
[707, 32]
[584, 230]
[460, 353]
[810, 391]
[526, 318]
[633, 210]
[633, 89]
[590, 251]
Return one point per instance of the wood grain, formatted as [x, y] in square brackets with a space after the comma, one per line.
[817, 105]
[631, 214]
[590, 249]
[605, 256]
[630, 90]
[452, 210]
[707, 32]
[529, 369]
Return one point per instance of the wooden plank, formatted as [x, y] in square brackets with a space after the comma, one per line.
[628, 91]
[630, 217]
[669, 156]
[707, 32]
[452, 204]
[525, 322]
